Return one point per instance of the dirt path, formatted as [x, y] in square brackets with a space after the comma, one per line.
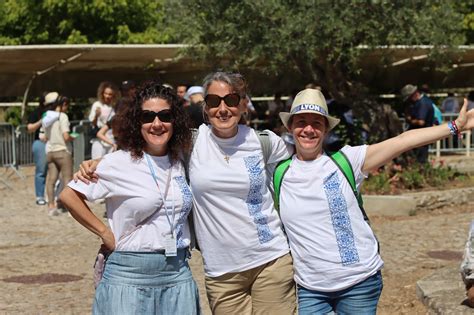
[37, 251]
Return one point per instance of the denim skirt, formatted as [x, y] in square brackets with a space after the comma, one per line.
[147, 283]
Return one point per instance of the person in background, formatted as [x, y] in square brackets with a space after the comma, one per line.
[181, 92]
[195, 96]
[127, 92]
[450, 104]
[274, 107]
[109, 132]
[102, 111]
[470, 100]
[336, 254]
[58, 150]
[251, 111]
[39, 147]
[148, 202]
[419, 114]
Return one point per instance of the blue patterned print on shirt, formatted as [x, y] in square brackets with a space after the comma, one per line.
[340, 220]
[187, 205]
[255, 198]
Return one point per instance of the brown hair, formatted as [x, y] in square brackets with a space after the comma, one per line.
[104, 85]
[129, 131]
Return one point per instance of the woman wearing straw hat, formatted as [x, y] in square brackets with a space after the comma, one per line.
[335, 253]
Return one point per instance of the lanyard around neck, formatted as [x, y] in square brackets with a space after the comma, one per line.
[163, 197]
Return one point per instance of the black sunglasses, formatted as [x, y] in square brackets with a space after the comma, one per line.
[148, 116]
[231, 100]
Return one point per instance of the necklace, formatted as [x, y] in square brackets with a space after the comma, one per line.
[226, 156]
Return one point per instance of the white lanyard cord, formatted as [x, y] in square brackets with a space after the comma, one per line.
[163, 197]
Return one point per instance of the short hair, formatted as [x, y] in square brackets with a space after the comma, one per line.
[129, 136]
[235, 80]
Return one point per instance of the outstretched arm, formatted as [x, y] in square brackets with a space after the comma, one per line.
[381, 153]
[74, 202]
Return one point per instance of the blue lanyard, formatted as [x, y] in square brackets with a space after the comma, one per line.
[163, 197]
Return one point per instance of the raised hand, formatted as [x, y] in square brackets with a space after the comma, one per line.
[465, 120]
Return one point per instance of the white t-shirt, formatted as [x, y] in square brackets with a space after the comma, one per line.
[54, 134]
[333, 248]
[106, 113]
[237, 227]
[131, 195]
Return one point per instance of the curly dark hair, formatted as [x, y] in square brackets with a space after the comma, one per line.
[129, 136]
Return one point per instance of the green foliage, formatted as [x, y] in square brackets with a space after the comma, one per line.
[320, 40]
[392, 179]
[411, 178]
[467, 9]
[82, 21]
[378, 184]
[13, 116]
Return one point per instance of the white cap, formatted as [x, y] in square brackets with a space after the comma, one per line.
[193, 90]
[51, 98]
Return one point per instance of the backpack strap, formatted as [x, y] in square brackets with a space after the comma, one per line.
[280, 171]
[264, 138]
[341, 160]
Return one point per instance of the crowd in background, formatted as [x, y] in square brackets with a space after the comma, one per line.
[112, 99]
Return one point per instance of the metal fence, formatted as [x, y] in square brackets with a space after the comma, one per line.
[453, 144]
[16, 147]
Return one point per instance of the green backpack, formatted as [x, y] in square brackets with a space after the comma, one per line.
[341, 161]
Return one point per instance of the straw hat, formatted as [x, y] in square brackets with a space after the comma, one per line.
[309, 101]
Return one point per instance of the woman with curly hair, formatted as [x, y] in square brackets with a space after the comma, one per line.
[147, 201]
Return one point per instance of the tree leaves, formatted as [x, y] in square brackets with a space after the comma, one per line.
[82, 21]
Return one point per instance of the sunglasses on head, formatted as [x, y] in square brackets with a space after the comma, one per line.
[231, 100]
[148, 116]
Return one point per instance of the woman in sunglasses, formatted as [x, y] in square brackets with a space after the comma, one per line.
[147, 201]
[246, 255]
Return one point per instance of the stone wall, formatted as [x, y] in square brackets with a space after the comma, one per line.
[410, 203]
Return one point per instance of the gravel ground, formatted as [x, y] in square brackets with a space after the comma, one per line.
[46, 262]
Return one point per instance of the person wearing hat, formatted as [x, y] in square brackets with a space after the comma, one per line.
[195, 96]
[335, 254]
[420, 114]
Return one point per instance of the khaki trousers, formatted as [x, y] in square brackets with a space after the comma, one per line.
[266, 289]
[58, 162]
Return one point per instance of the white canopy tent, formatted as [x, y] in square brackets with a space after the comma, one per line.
[76, 70]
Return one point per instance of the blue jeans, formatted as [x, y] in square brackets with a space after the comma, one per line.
[361, 298]
[39, 157]
[147, 283]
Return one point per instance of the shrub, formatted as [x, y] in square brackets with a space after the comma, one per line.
[393, 178]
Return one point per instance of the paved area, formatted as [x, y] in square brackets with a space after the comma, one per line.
[46, 262]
